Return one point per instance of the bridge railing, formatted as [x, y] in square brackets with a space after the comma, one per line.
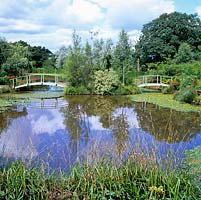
[38, 79]
[20, 81]
[152, 79]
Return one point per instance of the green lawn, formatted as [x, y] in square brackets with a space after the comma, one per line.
[165, 100]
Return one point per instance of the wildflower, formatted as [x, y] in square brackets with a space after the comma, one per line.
[159, 189]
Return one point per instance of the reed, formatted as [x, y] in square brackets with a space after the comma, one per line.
[135, 178]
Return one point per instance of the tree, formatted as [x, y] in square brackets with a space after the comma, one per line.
[39, 55]
[18, 61]
[184, 54]
[123, 57]
[162, 37]
[74, 62]
[4, 51]
[60, 56]
[98, 54]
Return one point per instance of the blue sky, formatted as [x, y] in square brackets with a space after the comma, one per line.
[50, 23]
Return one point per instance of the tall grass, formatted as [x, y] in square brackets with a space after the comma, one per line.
[135, 178]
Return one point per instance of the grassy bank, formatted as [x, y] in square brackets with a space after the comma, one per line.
[165, 100]
[133, 179]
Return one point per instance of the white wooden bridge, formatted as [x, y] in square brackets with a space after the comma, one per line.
[38, 79]
[153, 81]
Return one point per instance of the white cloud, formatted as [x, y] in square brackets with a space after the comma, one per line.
[10, 25]
[133, 14]
[198, 10]
[50, 23]
[82, 11]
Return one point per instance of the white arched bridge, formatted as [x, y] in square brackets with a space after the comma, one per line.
[153, 81]
[38, 79]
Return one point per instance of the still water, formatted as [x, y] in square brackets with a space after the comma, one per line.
[58, 133]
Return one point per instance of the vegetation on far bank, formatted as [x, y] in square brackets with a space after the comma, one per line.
[99, 66]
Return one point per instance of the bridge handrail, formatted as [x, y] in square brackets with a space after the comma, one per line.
[153, 76]
[150, 80]
[42, 78]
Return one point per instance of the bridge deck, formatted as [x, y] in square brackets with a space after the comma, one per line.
[38, 79]
[153, 81]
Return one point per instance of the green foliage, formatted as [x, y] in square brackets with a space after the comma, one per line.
[168, 90]
[4, 80]
[184, 54]
[18, 61]
[186, 95]
[193, 162]
[187, 81]
[99, 180]
[17, 182]
[19, 57]
[127, 89]
[5, 89]
[76, 90]
[123, 58]
[161, 38]
[105, 81]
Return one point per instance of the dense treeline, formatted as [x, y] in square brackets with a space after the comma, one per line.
[169, 45]
[19, 57]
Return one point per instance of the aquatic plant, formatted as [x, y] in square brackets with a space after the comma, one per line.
[135, 178]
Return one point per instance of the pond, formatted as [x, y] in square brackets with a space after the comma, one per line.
[60, 132]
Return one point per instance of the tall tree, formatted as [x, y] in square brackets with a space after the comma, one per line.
[162, 37]
[60, 56]
[74, 62]
[123, 57]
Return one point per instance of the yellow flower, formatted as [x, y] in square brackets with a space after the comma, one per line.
[157, 189]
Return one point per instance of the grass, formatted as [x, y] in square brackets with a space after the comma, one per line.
[165, 100]
[99, 180]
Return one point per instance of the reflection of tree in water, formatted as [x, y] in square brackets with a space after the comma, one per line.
[80, 108]
[120, 132]
[166, 124]
[7, 116]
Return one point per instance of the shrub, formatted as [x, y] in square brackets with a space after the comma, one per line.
[127, 89]
[186, 95]
[4, 80]
[76, 90]
[188, 81]
[106, 82]
[168, 90]
[4, 89]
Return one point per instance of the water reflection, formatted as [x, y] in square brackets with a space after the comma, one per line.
[90, 126]
[168, 125]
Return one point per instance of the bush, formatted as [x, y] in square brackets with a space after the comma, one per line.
[4, 89]
[76, 90]
[188, 81]
[4, 80]
[106, 82]
[168, 90]
[186, 95]
[127, 89]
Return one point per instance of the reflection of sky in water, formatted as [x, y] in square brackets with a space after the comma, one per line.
[43, 133]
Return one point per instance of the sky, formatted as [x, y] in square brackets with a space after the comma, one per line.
[50, 23]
